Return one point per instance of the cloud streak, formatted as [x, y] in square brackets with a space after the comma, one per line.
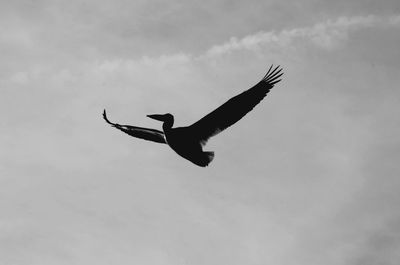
[326, 35]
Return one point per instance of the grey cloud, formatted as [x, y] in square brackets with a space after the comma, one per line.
[310, 177]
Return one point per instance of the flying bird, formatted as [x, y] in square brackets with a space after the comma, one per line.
[189, 141]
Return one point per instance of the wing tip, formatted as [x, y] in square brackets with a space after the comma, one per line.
[272, 77]
[107, 120]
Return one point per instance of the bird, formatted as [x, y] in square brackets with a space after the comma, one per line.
[188, 142]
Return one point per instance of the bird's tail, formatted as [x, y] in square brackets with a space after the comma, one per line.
[207, 158]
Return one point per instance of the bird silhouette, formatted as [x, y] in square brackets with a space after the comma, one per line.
[189, 141]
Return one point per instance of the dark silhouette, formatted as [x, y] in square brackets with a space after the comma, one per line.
[188, 141]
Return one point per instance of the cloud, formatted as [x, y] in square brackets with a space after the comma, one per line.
[326, 35]
[71, 180]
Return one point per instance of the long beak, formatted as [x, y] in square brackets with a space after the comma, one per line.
[158, 117]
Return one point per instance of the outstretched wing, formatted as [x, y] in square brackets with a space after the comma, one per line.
[139, 132]
[235, 108]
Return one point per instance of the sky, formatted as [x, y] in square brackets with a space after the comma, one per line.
[309, 177]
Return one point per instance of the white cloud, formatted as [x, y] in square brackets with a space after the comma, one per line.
[395, 20]
[327, 35]
[179, 58]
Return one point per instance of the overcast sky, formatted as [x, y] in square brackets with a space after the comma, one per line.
[311, 176]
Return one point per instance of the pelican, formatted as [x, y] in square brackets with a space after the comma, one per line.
[189, 141]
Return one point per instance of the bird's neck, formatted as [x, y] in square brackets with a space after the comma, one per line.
[167, 125]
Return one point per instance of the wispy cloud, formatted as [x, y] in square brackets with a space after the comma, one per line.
[327, 35]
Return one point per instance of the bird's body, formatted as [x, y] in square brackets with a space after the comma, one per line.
[188, 141]
[180, 140]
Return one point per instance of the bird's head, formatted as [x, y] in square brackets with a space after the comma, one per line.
[167, 118]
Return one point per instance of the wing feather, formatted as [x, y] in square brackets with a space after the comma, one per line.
[139, 132]
[235, 108]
